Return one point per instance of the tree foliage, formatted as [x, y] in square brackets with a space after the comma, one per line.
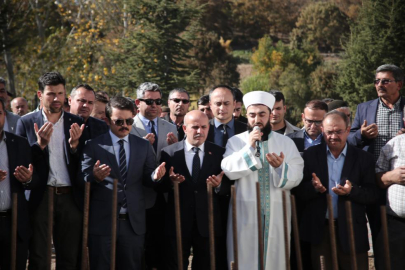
[321, 24]
[378, 38]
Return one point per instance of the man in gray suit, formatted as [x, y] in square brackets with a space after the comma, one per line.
[149, 101]
[118, 155]
[11, 119]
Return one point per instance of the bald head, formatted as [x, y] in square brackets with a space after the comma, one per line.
[196, 127]
[19, 106]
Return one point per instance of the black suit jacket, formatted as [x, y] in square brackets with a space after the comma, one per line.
[358, 168]
[299, 139]
[94, 128]
[25, 128]
[141, 165]
[19, 154]
[238, 126]
[193, 196]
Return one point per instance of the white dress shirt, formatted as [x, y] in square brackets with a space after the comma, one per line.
[189, 155]
[58, 172]
[5, 192]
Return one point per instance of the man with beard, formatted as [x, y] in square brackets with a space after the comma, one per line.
[54, 138]
[179, 101]
[376, 122]
[204, 106]
[81, 103]
[260, 155]
[277, 118]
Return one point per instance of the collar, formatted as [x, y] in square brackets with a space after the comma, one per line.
[3, 137]
[146, 121]
[396, 105]
[307, 136]
[115, 139]
[230, 124]
[188, 146]
[46, 118]
[344, 151]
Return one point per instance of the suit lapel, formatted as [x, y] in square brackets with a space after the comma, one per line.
[132, 154]
[350, 158]
[239, 127]
[180, 161]
[323, 161]
[372, 116]
[210, 137]
[207, 160]
[11, 153]
[138, 122]
[108, 147]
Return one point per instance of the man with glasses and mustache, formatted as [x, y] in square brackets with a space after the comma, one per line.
[149, 101]
[54, 138]
[81, 102]
[179, 101]
[347, 174]
[120, 155]
[376, 122]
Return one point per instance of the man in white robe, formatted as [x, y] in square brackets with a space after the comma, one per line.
[278, 168]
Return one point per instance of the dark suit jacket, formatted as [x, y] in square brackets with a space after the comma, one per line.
[12, 120]
[299, 139]
[141, 165]
[238, 126]
[367, 111]
[19, 153]
[25, 128]
[94, 128]
[358, 168]
[193, 196]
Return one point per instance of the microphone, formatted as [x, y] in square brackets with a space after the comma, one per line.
[257, 143]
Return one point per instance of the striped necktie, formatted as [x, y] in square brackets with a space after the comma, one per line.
[123, 170]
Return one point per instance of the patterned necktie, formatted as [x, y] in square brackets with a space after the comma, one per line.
[224, 135]
[152, 129]
[196, 164]
[123, 170]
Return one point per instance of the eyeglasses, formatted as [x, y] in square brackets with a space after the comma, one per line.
[383, 81]
[316, 123]
[337, 132]
[151, 101]
[177, 100]
[120, 122]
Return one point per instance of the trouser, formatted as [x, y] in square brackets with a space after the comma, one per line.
[344, 259]
[154, 249]
[67, 233]
[5, 245]
[396, 239]
[129, 249]
[201, 251]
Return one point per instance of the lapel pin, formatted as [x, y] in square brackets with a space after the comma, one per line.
[210, 153]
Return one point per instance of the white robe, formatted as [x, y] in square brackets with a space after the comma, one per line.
[241, 164]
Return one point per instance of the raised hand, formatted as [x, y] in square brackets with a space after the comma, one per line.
[75, 133]
[24, 174]
[215, 180]
[175, 177]
[317, 184]
[100, 172]
[274, 160]
[369, 131]
[160, 171]
[43, 134]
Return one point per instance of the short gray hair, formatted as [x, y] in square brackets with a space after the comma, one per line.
[397, 73]
[178, 90]
[147, 86]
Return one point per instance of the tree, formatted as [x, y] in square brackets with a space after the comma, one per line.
[321, 24]
[378, 38]
[156, 45]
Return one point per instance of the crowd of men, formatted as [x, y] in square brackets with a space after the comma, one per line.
[91, 137]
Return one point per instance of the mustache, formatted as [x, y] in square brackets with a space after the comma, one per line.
[123, 128]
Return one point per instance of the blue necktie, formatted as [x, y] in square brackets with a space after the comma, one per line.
[123, 170]
[196, 164]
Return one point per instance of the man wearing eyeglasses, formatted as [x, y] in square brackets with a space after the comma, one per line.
[312, 117]
[81, 101]
[376, 122]
[347, 174]
[179, 101]
[120, 155]
[149, 101]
